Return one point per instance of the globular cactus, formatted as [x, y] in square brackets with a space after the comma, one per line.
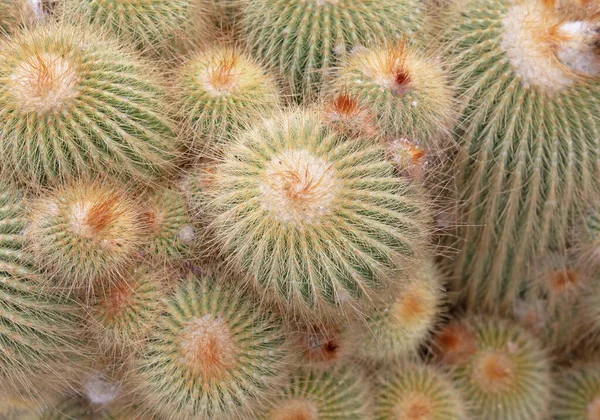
[122, 313]
[586, 239]
[71, 108]
[411, 390]
[305, 40]
[212, 354]
[341, 392]
[39, 331]
[397, 330]
[222, 90]
[577, 393]
[406, 91]
[527, 76]
[500, 368]
[161, 28]
[320, 225]
[170, 233]
[84, 233]
[15, 14]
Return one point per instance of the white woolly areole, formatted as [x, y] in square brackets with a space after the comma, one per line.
[100, 391]
[580, 51]
[298, 186]
[186, 235]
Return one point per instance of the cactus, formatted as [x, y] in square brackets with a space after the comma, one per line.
[586, 239]
[171, 233]
[320, 225]
[398, 330]
[15, 14]
[161, 28]
[71, 108]
[222, 90]
[340, 392]
[39, 332]
[212, 354]
[84, 233]
[121, 314]
[405, 90]
[500, 368]
[527, 74]
[415, 391]
[305, 40]
[577, 394]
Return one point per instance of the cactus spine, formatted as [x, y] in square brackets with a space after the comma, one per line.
[317, 222]
[15, 14]
[72, 108]
[528, 136]
[577, 394]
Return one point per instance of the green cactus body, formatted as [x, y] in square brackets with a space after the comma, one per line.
[577, 394]
[320, 224]
[341, 392]
[500, 369]
[587, 318]
[586, 239]
[122, 313]
[161, 28]
[212, 354]
[71, 108]
[414, 391]
[527, 75]
[398, 330]
[38, 331]
[84, 233]
[304, 40]
[222, 90]
[406, 91]
[19, 408]
[169, 225]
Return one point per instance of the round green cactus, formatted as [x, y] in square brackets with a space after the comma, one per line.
[320, 224]
[586, 239]
[414, 391]
[500, 368]
[222, 90]
[163, 28]
[212, 354]
[577, 394]
[304, 40]
[84, 233]
[527, 75]
[341, 392]
[71, 108]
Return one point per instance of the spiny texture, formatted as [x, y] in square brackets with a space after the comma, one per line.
[586, 238]
[169, 226]
[38, 333]
[577, 394]
[70, 108]
[123, 312]
[15, 14]
[341, 392]
[587, 313]
[212, 354]
[305, 39]
[406, 91]
[18, 407]
[318, 222]
[527, 74]
[414, 391]
[84, 232]
[399, 328]
[195, 187]
[222, 90]
[500, 368]
[163, 28]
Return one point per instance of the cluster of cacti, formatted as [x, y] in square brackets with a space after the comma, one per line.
[300, 209]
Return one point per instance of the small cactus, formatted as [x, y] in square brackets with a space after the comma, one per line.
[318, 223]
[577, 394]
[500, 368]
[84, 233]
[212, 354]
[73, 108]
[414, 391]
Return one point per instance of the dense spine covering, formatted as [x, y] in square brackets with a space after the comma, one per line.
[222, 90]
[70, 108]
[212, 354]
[320, 224]
[500, 369]
[15, 14]
[340, 392]
[577, 394]
[414, 391]
[527, 74]
[304, 40]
